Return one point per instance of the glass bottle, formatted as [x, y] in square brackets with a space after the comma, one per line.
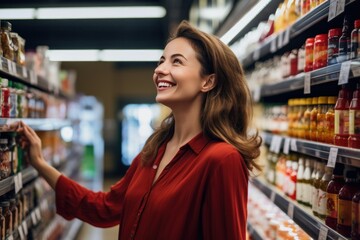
[2, 225]
[19, 206]
[322, 192]
[344, 42]
[320, 51]
[346, 194]
[5, 98]
[332, 192]
[293, 180]
[313, 116]
[5, 158]
[333, 45]
[316, 187]
[300, 180]
[354, 119]
[355, 217]
[14, 212]
[320, 119]
[309, 54]
[8, 218]
[329, 120]
[341, 127]
[307, 115]
[354, 40]
[6, 42]
[307, 186]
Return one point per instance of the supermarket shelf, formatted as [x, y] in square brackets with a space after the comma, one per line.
[26, 175]
[72, 229]
[345, 155]
[305, 220]
[44, 124]
[253, 233]
[273, 44]
[319, 76]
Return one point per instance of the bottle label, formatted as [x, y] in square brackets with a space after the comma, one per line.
[344, 213]
[354, 121]
[322, 203]
[291, 188]
[332, 205]
[299, 191]
[341, 122]
[314, 202]
[307, 191]
[355, 217]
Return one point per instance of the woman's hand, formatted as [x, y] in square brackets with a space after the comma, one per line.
[31, 142]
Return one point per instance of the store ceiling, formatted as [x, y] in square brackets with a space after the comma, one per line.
[99, 33]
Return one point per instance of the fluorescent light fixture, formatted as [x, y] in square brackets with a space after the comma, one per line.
[88, 55]
[83, 12]
[106, 55]
[144, 55]
[17, 13]
[214, 13]
[245, 20]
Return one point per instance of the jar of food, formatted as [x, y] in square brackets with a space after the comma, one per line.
[309, 54]
[6, 42]
[8, 218]
[5, 159]
[320, 51]
[2, 225]
[333, 45]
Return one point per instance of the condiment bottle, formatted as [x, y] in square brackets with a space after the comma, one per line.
[316, 187]
[355, 217]
[313, 116]
[293, 180]
[342, 117]
[354, 40]
[322, 199]
[320, 119]
[346, 194]
[2, 225]
[14, 212]
[320, 51]
[300, 180]
[344, 42]
[5, 158]
[307, 115]
[329, 120]
[19, 206]
[309, 54]
[6, 42]
[332, 191]
[307, 186]
[8, 218]
[333, 45]
[5, 98]
[354, 119]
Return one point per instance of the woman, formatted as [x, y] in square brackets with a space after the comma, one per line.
[190, 180]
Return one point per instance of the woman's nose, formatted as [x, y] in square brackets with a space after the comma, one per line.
[161, 69]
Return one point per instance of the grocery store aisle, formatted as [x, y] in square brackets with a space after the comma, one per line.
[89, 232]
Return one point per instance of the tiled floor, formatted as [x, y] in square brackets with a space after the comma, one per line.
[88, 232]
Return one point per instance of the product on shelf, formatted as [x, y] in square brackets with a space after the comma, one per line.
[6, 42]
[342, 117]
[333, 45]
[307, 183]
[344, 42]
[346, 195]
[329, 120]
[300, 180]
[19, 48]
[320, 51]
[5, 158]
[320, 169]
[320, 118]
[8, 218]
[2, 225]
[313, 117]
[354, 119]
[355, 217]
[322, 200]
[309, 54]
[355, 40]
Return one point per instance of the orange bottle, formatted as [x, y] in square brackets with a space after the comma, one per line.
[342, 117]
[307, 114]
[320, 119]
[313, 116]
[329, 120]
[354, 119]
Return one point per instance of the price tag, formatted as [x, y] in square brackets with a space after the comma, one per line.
[332, 10]
[9, 66]
[286, 147]
[18, 182]
[332, 157]
[307, 83]
[340, 7]
[38, 214]
[323, 233]
[280, 41]
[11, 237]
[344, 73]
[14, 69]
[33, 218]
[256, 54]
[286, 37]
[5, 65]
[272, 196]
[277, 147]
[257, 93]
[24, 72]
[290, 211]
[21, 232]
[293, 146]
[356, 71]
[273, 46]
[25, 227]
[272, 144]
[33, 78]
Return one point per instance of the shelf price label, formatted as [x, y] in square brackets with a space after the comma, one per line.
[286, 37]
[356, 71]
[21, 232]
[18, 182]
[257, 93]
[272, 196]
[273, 46]
[344, 73]
[340, 7]
[336, 7]
[293, 145]
[286, 146]
[33, 218]
[290, 210]
[332, 157]
[256, 54]
[323, 233]
[24, 72]
[25, 227]
[280, 41]
[275, 144]
[307, 83]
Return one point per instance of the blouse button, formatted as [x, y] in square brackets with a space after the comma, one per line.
[155, 166]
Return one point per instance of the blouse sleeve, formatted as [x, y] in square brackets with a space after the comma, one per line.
[101, 209]
[225, 209]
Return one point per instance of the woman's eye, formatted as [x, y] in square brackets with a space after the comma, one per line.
[176, 60]
[160, 62]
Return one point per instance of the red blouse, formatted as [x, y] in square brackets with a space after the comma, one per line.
[201, 194]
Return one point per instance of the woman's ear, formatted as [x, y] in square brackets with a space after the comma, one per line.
[209, 83]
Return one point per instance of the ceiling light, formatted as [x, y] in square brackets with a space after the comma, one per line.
[83, 12]
[107, 55]
[145, 55]
[244, 21]
[214, 13]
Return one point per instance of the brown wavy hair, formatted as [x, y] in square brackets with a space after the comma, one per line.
[226, 109]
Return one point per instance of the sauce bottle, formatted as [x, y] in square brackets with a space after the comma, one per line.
[313, 116]
[307, 186]
[329, 120]
[344, 42]
[320, 51]
[316, 188]
[322, 192]
[354, 40]
[346, 195]
[14, 212]
[8, 218]
[342, 117]
[293, 180]
[320, 119]
[355, 217]
[309, 54]
[333, 45]
[300, 180]
[2, 225]
[307, 115]
[332, 191]
[354, 119]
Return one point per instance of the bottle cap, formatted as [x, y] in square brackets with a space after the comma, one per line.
[334, 32]
[357, 23]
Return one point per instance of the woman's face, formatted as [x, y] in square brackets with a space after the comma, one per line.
[177, 77]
